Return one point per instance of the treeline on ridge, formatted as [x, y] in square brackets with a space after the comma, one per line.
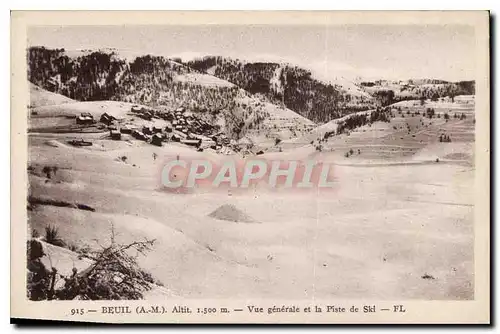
[282, 83]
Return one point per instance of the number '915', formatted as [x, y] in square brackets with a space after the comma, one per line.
[77, 311]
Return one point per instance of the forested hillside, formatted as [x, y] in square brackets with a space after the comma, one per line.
[291, 85]
[94, 76]
[158, 81]
[99, 75]
[219, 84]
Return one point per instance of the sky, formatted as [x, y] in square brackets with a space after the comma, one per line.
[331, 52]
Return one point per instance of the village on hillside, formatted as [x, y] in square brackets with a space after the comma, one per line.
[179, 125]
[103, 129]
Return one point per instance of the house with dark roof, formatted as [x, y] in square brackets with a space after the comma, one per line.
[115, 134]
[85, 118]
[107, 118]
[157, 139]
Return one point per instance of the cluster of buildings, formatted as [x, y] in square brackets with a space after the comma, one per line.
[180, 126]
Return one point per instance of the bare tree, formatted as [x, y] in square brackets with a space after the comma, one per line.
[113, 274]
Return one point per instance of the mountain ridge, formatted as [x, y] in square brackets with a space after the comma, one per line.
[216, 83]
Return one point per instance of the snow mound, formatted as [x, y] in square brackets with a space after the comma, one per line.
[231, 213]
